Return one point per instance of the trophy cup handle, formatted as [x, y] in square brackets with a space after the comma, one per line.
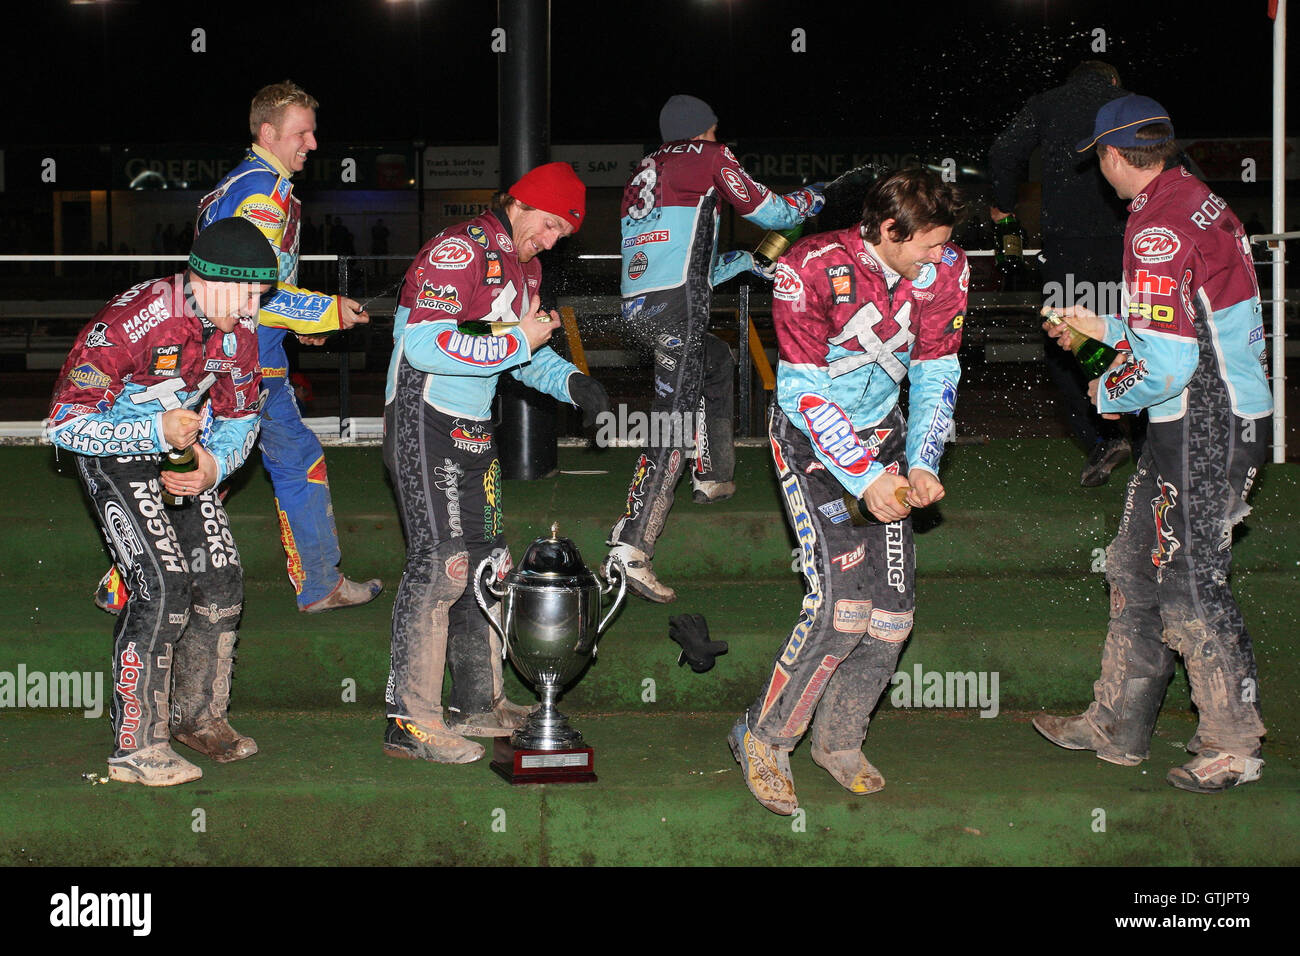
[611, 567]
[479, 583]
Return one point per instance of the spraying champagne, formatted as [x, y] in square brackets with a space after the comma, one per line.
[1094, 356]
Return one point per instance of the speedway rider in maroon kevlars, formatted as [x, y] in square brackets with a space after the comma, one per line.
[440, 453]
[1191, 343]
[130, 391]
[670, 264]
[855, 312]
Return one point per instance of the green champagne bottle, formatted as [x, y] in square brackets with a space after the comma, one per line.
[1011, 239]
[1009, 254]
[774, 245]
[479, 327]
[177, 460]
[858, 513]
[1094, 356]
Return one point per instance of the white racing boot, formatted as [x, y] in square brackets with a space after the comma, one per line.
[707, 492]
[1213, 772]
[154, 766]
[641, 579]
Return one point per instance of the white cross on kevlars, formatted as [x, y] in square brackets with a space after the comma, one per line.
[862, 328]
[503, 306]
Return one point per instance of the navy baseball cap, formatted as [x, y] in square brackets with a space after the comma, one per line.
[1119, 120]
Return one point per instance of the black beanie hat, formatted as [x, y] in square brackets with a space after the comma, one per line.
[685, 117]
[233, 250]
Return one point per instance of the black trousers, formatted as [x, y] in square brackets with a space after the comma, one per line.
[693, 406]
[857, 613]
[1168, 572]
[174, 642]
[447, 480]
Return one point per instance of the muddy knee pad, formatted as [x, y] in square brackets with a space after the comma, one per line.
[845, 709]
[715, 442]
[473, 657]
[435, 580]
[468, 646]
[890, 627]
[1222, 674]
[204, 662]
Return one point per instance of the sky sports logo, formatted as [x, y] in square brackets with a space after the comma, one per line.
[658, 235]
[76, 909]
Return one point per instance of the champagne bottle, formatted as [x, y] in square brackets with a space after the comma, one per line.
[1094, 356]
[1009, 252]
[774, 244]
[858, 513]
[177, 460]
[479, 327]
[1011, 238]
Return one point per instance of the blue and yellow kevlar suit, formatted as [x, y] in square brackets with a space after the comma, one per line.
[259, 190]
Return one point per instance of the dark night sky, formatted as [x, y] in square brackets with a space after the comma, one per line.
[124, 72]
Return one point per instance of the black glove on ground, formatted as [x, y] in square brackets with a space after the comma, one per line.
[692, 633]
[589, 395]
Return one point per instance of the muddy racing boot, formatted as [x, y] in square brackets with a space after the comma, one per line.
[851, 769]
[1211, 771]
[1119, 733]
[1107, 455]
[641, 579]
[502, 720]
[432, 741]
[707, 492]
[111, 594]
[215, 739]
[1078, 733]
[839, 726]
[155, 766]
[766, 770]
[346, 593]
[1072, 733]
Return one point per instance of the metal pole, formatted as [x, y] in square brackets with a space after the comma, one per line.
[743, 363]
[1279, 248]
[419, 191]
[526, 443]
[345, 383]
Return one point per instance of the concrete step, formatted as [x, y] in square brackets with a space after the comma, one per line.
[1012, 507]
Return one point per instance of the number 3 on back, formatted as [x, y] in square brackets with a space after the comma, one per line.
[644, 182]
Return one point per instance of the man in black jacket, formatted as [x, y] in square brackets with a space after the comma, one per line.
[1083, 232]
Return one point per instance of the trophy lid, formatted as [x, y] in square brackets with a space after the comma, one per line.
[554, 557]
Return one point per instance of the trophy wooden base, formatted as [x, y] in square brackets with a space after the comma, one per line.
[518, 766]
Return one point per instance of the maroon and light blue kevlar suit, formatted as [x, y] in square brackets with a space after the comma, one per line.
[1192, 320]
[144, 353]
[849, 331]
[440, 455]
[670, 265]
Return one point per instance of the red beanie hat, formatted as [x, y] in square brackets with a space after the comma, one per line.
[554, 188]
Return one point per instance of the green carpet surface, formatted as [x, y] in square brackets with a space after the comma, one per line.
[1010, 583]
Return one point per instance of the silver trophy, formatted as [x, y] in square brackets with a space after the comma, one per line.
[548, 625]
